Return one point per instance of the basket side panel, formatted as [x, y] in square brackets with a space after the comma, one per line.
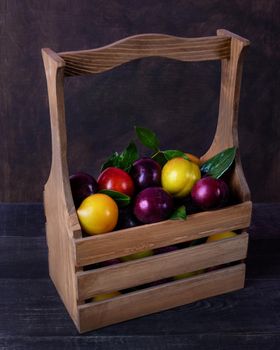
[134, 273]
[60, 251]
[90, 250]
[125, 307]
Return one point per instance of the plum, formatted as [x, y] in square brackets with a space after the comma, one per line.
[116, 179]
[127, 219]
[82, 185]
[210, 193]
[153, 204]
[146, 172]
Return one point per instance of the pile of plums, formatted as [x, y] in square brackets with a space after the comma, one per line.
[150, 203]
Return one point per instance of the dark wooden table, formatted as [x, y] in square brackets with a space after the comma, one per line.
[33, 317]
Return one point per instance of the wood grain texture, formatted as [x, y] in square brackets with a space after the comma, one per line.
[22, 231]
[124, 307]
[130, 274]
[145, 45]
[227, 127]
[30, 257]
[139, 342]
[36, 301]
[125, 242]
[58, 201]
[68, 250]
[32, 220]
[161, 94]
[32, 315]
[30, 216]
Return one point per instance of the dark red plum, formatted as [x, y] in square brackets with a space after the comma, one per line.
[210, 193]
[82, 185]
[127, 219]
[146, 172]
[116, 179]
[152, 205]
[191, 206]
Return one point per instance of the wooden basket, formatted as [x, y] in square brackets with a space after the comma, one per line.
[69, 252]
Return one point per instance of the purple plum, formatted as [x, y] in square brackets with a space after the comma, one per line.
[146, 172]
[82, 185]
[210, 193]
[152, 205]
[127, 219]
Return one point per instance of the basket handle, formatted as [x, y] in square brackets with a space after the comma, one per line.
[145, 45]
[227, 127]
[231, 73]
[225, 46]
[59, 174]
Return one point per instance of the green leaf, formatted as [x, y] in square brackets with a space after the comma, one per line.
[128, 157]
[123, 160]
[159, 158]
[220, 163]
[170, 154]
[162, 157]
[113, 161]
[148, 138]
[120, 198]
[179, 214]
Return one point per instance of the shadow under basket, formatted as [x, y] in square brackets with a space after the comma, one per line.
[73, 259]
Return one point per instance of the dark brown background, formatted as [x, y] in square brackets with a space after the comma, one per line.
[179, 101]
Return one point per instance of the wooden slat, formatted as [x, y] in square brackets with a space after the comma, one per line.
[146, 301]
[130, 274]
[103, 247]
[145, 45]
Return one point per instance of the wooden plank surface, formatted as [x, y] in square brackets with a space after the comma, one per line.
[167, 90]
[125, 275]
[33, 317]
[164, 342]
[97, 248]
[31, 308]
[30, 216]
